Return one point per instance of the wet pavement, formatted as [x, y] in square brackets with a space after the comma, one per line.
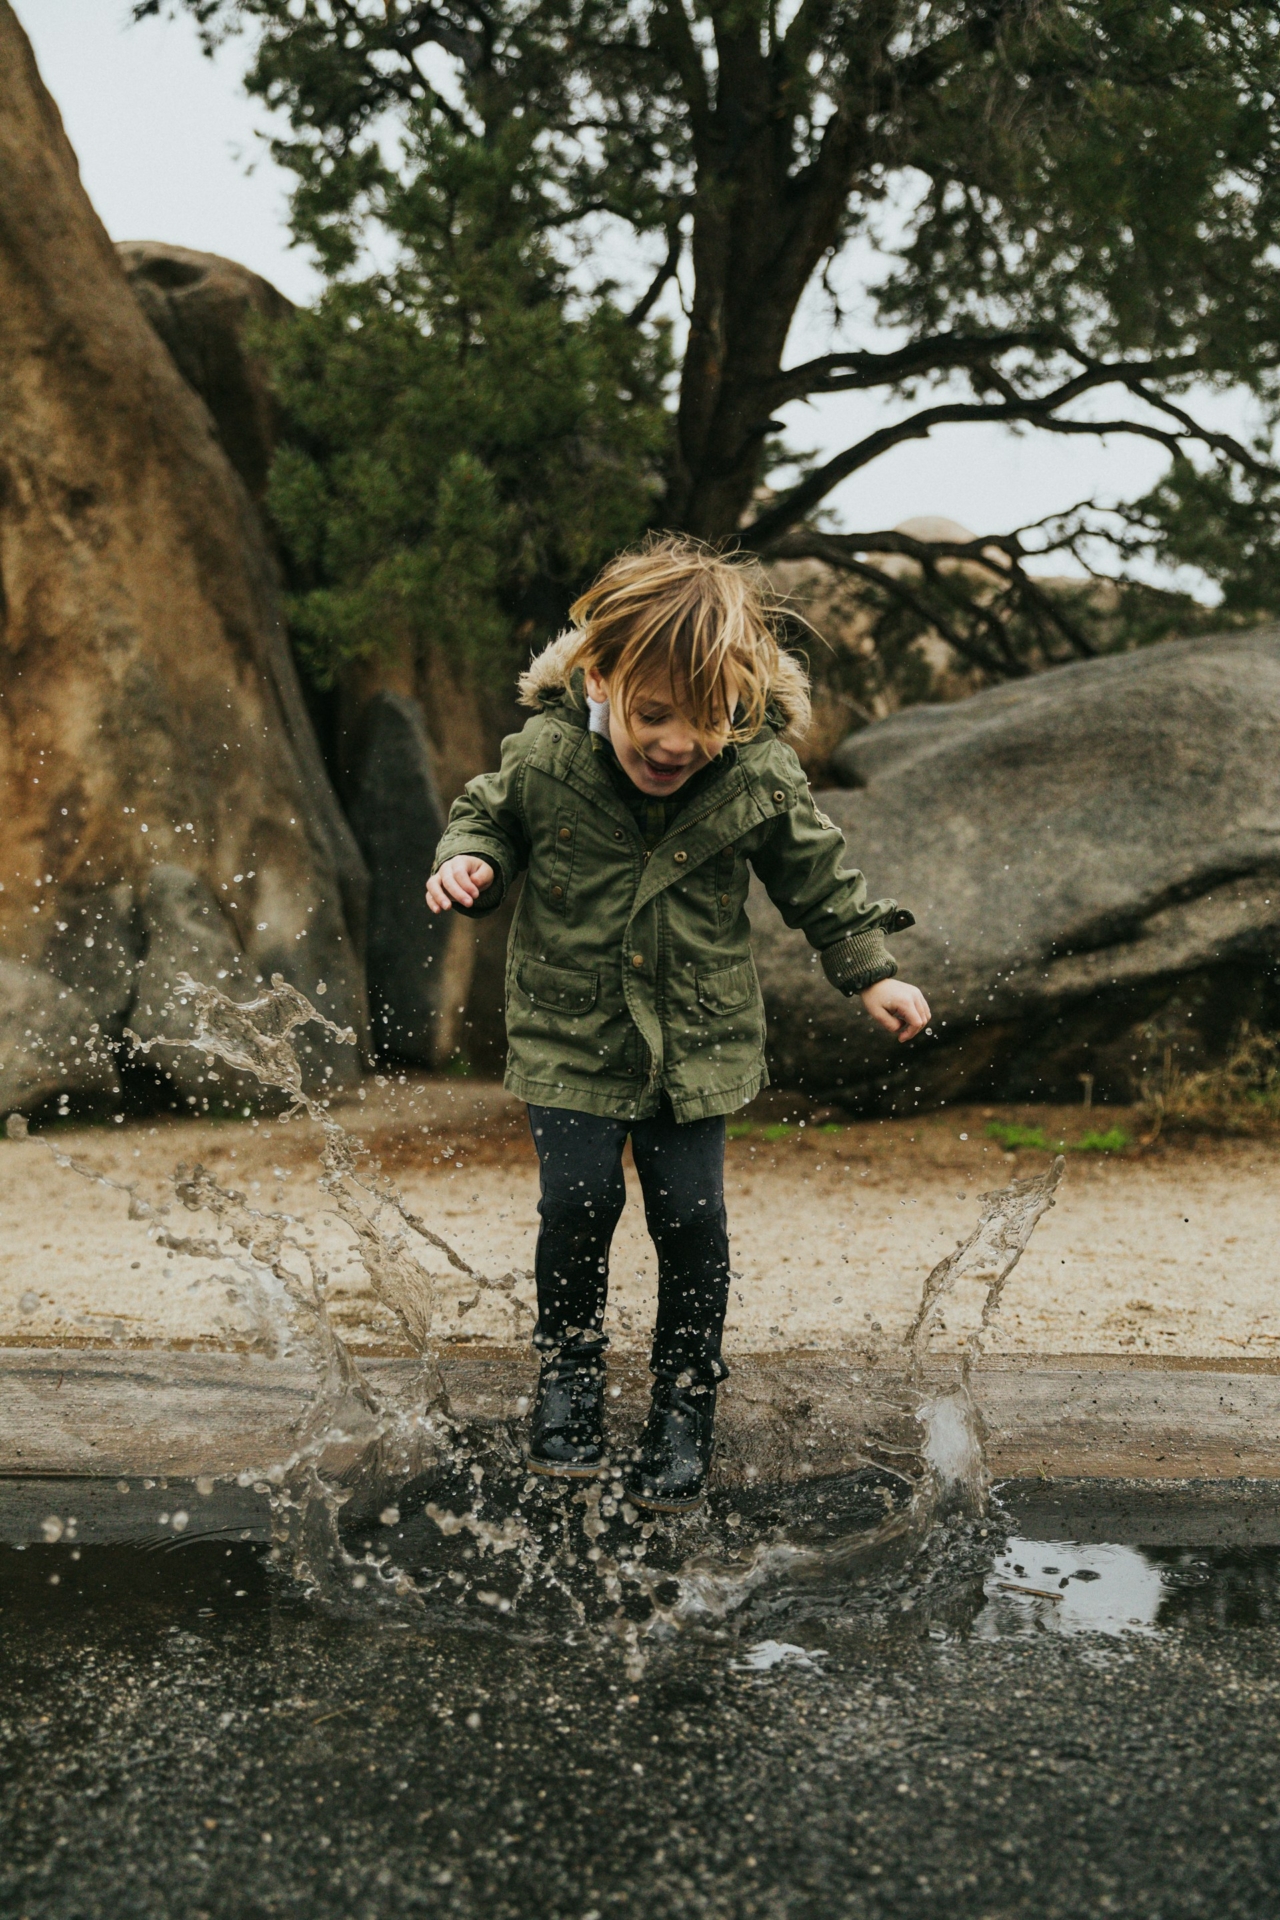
[1068, 1708]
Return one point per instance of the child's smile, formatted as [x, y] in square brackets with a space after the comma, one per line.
[661, 750]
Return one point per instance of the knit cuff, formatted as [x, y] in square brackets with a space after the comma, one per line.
[859, 961]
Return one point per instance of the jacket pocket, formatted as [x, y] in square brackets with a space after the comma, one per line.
[558, 989]
[725, 989]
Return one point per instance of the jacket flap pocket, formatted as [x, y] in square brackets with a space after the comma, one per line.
[562, 989]
[725, 989]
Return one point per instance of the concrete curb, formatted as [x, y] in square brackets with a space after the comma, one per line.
[101, 1413]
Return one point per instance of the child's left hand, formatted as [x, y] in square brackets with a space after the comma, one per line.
[899, 1008]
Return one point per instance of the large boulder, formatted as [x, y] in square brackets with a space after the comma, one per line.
[204, 307]
[397, 817]
[47, 1042]
[150, 711]
[386, 765]
[185, 931]
[1092, 856]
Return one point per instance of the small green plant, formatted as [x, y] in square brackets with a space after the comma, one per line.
[1012, 1136]
[1114, 1140]
[831, 1126]
[778, 1131]
[739, 1129]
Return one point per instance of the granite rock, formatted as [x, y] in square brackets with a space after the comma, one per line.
[1093, 860]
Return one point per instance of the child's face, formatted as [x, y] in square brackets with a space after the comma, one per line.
[662, 751]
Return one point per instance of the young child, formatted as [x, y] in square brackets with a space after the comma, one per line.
[651, 780]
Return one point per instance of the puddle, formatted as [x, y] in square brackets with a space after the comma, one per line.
[1059, 1586]
[183, 1731]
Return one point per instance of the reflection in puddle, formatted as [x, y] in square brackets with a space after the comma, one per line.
[1056, 1586]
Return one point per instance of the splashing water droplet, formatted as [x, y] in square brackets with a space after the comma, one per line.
[951, 1422]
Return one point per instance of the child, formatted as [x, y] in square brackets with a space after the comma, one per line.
[652, 778]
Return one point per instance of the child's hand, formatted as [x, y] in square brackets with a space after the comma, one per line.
[896, 1006]
[464, 879]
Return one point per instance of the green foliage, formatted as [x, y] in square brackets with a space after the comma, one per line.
[1012, 1136]
[1015, 1136]
[1107, 172]
[431, 489]
[1114, 1140]
[1074, 210]
[469, 435]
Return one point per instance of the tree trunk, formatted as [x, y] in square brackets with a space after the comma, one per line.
[150, 713]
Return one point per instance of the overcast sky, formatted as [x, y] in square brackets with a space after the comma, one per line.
[170, 149]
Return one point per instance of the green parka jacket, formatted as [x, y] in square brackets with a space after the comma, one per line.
[629, 970]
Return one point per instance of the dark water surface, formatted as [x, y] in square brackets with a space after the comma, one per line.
[1069, 1708]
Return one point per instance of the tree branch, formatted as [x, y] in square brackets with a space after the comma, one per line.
[999, 555]
[673, 32]
[822, 547]
[864, 370]
[1040, 410]
[645, 304]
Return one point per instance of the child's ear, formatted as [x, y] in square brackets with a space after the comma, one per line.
[597, 687]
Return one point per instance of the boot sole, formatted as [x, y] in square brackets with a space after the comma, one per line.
[667, 1506]
[554, 1471]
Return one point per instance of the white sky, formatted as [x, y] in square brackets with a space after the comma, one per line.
[170, 149]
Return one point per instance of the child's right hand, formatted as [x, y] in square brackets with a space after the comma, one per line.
[464, 879]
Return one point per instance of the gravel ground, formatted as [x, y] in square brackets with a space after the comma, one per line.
[1168, 1250]
[183, 1736]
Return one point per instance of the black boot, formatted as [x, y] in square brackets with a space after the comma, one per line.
[674, 1458]
[567, 1428]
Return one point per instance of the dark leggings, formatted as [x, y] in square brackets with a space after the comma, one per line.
[681, 1172]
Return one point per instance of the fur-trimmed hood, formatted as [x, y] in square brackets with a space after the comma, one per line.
[546, 680]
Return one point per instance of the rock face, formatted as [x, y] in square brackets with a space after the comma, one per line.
[1085, 851]
[150, 713]
[200, 305]
[47, 1045]
[397, 817]
[184, 931]
[385, 761]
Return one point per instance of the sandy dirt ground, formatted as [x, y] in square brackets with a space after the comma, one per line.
[1173, 1249]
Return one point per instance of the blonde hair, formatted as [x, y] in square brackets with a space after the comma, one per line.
[673, 607]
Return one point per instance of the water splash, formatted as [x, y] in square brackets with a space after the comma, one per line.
[950, 1418]
[350, 1440]
[397, 1501]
